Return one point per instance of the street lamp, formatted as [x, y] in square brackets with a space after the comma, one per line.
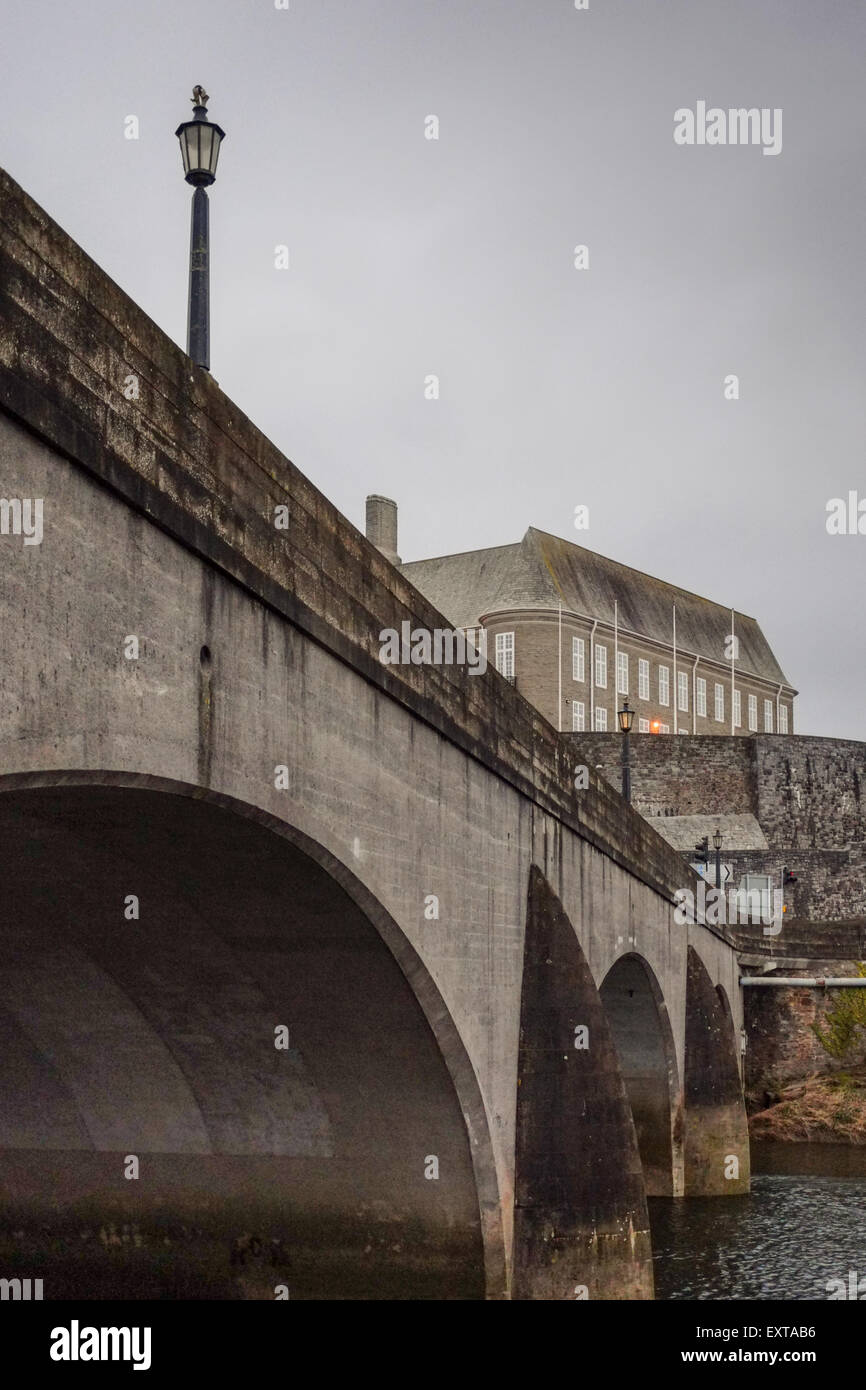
[717, 845]
[200, 142]
[626, 719]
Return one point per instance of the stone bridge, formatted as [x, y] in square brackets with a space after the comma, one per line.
[317, 976]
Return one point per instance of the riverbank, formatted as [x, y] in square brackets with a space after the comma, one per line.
[817, 1109]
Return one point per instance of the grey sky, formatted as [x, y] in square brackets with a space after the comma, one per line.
[455, 257]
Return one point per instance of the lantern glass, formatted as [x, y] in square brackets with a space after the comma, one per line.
[200, 146]
[626, 718]
[717, 839]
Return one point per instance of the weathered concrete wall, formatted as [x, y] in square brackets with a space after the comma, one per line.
[258, 650]
[183, 455]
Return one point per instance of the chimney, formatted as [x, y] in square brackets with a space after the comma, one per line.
[382, 526]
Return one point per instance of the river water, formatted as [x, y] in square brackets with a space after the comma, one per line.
[802, 1226]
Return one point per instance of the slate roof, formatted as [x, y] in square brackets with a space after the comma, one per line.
[542, 570]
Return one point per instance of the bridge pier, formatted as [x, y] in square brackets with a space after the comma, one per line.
[716, 1127]
[581, 1226]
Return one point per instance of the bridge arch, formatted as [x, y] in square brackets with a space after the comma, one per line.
[162, 932]
[638, 1018]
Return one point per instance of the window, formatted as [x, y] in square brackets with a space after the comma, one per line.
[783, 719]
[601, 667]
[622, 673]
[753, 713]
[720, 702]
[701, 696]
[738, 710]
[643, 726]
[578, 716]
[768, 716]
[664, 728]
[643, 679]
[600, 718]
[683, 690]
[578, 662]
[755, 898]
[505, 654]
[664, 686]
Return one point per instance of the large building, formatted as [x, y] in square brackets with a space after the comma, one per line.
[577, 633]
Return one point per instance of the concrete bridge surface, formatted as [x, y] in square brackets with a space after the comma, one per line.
[316, 975]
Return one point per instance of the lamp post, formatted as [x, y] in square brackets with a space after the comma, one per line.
[717, 845]
[626, 719]
[200, 143]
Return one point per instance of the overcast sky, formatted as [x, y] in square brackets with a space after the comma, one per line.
[455, 257]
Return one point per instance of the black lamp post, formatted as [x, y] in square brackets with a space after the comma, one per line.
[200, 143]
[626, 719]
[717, 845]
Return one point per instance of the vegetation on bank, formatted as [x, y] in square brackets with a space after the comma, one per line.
[845, 1023]
[821, 1109]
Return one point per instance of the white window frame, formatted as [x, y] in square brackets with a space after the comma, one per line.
[738, 709]
[578, 716]
[753, 714]
[643, 726]
[578, 659]
[622, 673]
[719, 702]
[701, 697]
[643, 678]
[783, 719]
[664, 728]
[600, 719]
[600, 666]
[664, 685]
[683, 691]
[505, 654]
[747, 908]
[768, 716]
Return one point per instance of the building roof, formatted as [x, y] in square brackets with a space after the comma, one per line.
[542, 571]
